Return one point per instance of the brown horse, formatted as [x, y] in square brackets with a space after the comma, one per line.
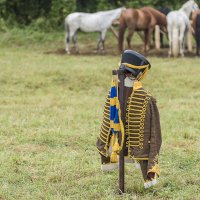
[196, 29]
[194, 18]
[143, 19]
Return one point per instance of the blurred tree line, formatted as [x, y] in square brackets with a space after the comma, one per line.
[48, 14]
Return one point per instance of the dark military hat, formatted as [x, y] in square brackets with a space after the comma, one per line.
[134, 62]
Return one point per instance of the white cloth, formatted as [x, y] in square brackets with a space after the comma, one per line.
[151, 183]
[128, 82]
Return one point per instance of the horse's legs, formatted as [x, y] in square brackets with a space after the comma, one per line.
[128, 38]
[145, 40]
[197, 47]
[197, 51]
[183, 32]
[147, 36]
[170, 40]
[101, 41]
[74, 39]
[98, 43]
[162, 40]
[103, 35]
[197, 37]
[67, 43]
[183, 46]
[103, 46]
[69, 37]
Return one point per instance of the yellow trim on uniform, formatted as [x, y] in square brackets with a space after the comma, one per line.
[134, 129]
[137, 98]
[135, 109]
[104, 135]
[140, 94]
[104, 132]
[139, 158]
[134, 66]
[130, 141]
[136, 102]
[136, 106]
[155, 169]
[106, 114]
[107, 126]
[133, 120]
[107, 106]
[102, 139]
[104, 129]
[137, 137]
[102, 153]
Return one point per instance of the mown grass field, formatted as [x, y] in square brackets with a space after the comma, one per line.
[50, 114]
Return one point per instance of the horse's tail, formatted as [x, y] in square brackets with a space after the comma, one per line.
[175, 41]
[122, 28]
[66, 27]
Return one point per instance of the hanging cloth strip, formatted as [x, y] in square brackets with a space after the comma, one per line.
[116, 124]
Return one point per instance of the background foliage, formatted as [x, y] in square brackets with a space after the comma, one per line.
[49, 14]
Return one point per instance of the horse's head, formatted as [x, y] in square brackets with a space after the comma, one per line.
[189, 6]
[194, 5]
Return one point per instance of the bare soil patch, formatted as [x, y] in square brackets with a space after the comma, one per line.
[113, 51]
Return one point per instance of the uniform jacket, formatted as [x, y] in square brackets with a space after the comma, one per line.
[142, 130]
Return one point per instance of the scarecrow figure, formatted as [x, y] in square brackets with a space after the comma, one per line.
[140, 132]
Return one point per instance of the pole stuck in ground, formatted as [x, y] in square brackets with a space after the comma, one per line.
[121, 75]
[157, 37]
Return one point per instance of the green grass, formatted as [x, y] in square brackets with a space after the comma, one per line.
[50, 114]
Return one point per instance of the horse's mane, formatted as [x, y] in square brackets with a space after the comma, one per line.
[106, 12]
[185, 5]
[164, 10]
[152, 10]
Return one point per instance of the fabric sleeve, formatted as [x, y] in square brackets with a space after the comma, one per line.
[105, 134]
[155, 139]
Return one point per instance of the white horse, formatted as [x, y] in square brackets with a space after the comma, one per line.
[177, 25]
[89, 22]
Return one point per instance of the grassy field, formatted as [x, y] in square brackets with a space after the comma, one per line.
[50, 114]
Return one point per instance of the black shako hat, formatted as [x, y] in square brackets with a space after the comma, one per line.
[134, 62]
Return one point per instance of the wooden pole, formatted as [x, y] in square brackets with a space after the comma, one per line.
[189, 39]
[114, 31]
[121, 77]
[157, 37]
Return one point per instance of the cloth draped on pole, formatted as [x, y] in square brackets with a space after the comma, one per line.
[116, 124]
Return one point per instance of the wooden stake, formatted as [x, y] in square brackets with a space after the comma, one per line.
[157, 37]
[114, 32]
[121, 77]
[189, 39]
